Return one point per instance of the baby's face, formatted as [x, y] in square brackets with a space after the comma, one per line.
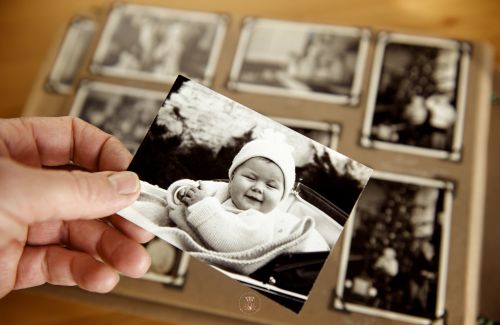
[257, 184]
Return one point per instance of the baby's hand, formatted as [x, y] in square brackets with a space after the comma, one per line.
[191, 195]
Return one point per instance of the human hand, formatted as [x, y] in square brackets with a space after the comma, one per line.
[49, 226]
[191, 194]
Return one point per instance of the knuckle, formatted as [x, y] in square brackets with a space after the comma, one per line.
[82, 186]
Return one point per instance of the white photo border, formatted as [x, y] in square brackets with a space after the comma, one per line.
[457, 145]
[444, 216]
[220, 20]
[77, 26]
[364, 35]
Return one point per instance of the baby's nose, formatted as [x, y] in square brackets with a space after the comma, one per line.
[258, 187]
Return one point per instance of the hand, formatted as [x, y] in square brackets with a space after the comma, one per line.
[49, 226]
[190, 195]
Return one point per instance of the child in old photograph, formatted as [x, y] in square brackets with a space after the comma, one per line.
[242, 216]
[244, 213]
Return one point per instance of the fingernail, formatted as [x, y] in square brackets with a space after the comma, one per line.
[124, 182]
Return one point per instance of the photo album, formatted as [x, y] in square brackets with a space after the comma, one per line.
[242, 192]
[248, 202]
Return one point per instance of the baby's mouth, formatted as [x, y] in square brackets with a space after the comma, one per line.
[254, 198]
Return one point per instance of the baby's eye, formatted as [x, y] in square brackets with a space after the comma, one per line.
[273, 186]
[249, 177]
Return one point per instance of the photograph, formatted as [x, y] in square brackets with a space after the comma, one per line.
[395, 250]
[416, 102]
[169, 264]
[243, 193]
[124, 112]
[72, 50]
[328, 134]
[156, 44]
[303, 60]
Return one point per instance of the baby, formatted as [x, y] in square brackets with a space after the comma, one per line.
[244, 213]
[238, 225]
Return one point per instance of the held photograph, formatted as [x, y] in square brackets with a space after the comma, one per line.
[394, 257]
[243, 193]
[153, 43]
[416, 102]
[303, 60]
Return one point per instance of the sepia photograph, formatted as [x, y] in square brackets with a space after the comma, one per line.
[124, 112]
[156, 44]
[417, 96]
[243, 193]
[169, 264]
[328, 134]
[395, 250]
[303, 60]
[72, 51]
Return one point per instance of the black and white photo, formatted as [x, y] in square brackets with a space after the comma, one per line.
[169, 264]
[72, 51]
[304, 60]
[416, 101]
[242, 192]
[395, 250]
[156, 44]
[124, 112]
[328, 134]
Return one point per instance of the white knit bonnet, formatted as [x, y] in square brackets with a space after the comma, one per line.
[277, 151]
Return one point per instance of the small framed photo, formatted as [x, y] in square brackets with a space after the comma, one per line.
[303, 60]
[169, 265]
[395, 252]
[74, 46]
[242, 192]
[417, 96]
[328, 134]
[156, 44]
[124, 112]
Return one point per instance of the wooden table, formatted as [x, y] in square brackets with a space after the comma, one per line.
[29, 28]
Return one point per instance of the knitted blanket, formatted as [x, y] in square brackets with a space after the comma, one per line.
[159, 212]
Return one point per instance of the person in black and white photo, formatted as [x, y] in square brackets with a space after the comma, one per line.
[242, 215]
[396, 263]
[417, 98]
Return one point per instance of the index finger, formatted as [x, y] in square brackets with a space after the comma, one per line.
[56, 141]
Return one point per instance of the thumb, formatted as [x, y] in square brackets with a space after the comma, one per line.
[35, 195]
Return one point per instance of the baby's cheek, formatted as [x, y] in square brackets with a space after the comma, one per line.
[278, 195]
[273, 198]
